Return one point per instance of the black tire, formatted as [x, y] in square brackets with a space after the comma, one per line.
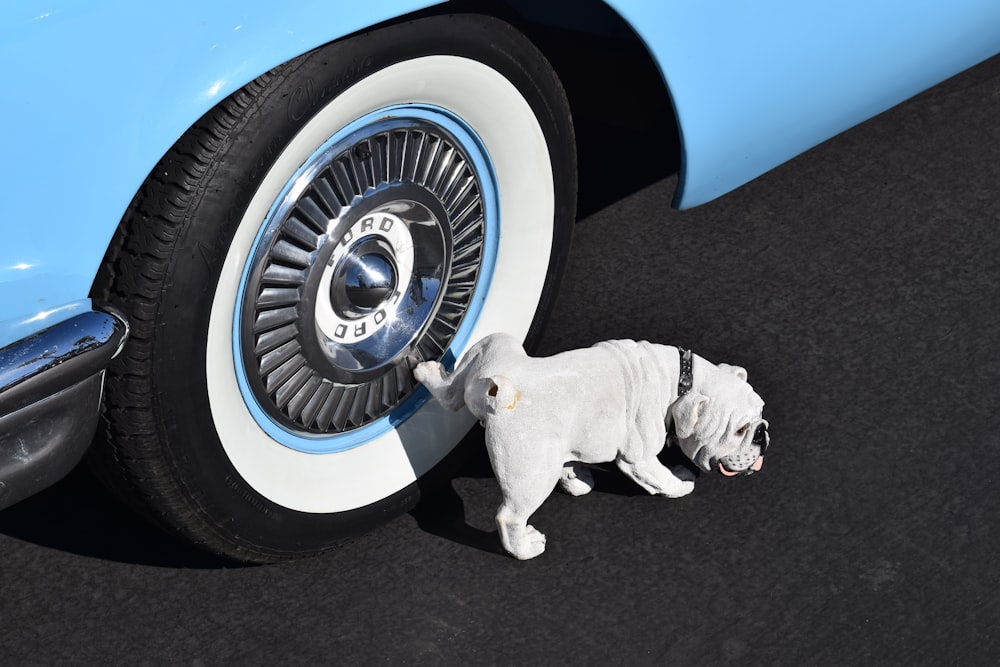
[174, 447]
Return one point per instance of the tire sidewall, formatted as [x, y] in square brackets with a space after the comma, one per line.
[287, 101]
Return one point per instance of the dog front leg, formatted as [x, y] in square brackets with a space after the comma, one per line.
[655, 477]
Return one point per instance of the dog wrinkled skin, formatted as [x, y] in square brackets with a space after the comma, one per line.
[545, 418]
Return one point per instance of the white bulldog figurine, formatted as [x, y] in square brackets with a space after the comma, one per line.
[547, 417]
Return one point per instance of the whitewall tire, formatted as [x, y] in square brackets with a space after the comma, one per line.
[301, 249]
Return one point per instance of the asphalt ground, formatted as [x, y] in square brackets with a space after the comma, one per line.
[858, 284]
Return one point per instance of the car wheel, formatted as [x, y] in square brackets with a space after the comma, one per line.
[380, 201]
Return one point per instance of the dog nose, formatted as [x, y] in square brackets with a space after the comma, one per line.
[760, 437]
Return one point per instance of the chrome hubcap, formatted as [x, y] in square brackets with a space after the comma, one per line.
[365, 266]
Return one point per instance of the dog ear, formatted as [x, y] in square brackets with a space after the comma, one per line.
[686, 412]
[738, 371]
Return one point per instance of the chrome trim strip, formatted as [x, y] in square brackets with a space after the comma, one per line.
[58, 357]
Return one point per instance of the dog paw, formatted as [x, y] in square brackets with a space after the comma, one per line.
[678, 489]
[683, 473]
[427, 370]
[577, 480]
[575, 486]
[531, 544]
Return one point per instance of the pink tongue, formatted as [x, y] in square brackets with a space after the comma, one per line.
[757, 465]
[725, 472]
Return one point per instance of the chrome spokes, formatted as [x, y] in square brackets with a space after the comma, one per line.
[364, 268]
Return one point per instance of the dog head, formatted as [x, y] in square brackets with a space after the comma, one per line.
[720, 424]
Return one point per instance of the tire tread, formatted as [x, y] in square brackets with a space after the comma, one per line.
[132, 459]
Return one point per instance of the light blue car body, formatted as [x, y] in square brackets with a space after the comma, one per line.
[95, 93]
[756, 83]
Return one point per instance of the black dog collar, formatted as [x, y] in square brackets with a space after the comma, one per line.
[686, 379]
[684, 383]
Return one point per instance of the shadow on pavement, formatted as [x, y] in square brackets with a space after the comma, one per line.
[79, 516]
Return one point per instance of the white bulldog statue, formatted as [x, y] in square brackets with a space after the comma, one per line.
[545, 418]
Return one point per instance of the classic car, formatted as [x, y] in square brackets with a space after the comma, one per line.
[231, 229]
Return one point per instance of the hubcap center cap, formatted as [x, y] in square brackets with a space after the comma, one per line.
[367, 280]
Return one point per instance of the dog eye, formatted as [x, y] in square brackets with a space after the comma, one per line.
[743, 430]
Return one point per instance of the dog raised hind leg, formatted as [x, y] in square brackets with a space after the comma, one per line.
[446, 388]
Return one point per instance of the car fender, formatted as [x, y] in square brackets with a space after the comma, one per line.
[95, 94]
[755, 83]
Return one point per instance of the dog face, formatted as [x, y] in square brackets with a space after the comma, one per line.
[720, 425]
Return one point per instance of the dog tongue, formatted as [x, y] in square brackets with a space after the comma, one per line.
[757, 465]
[725, 472]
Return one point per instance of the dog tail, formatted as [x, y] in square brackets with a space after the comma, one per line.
[492, 396]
